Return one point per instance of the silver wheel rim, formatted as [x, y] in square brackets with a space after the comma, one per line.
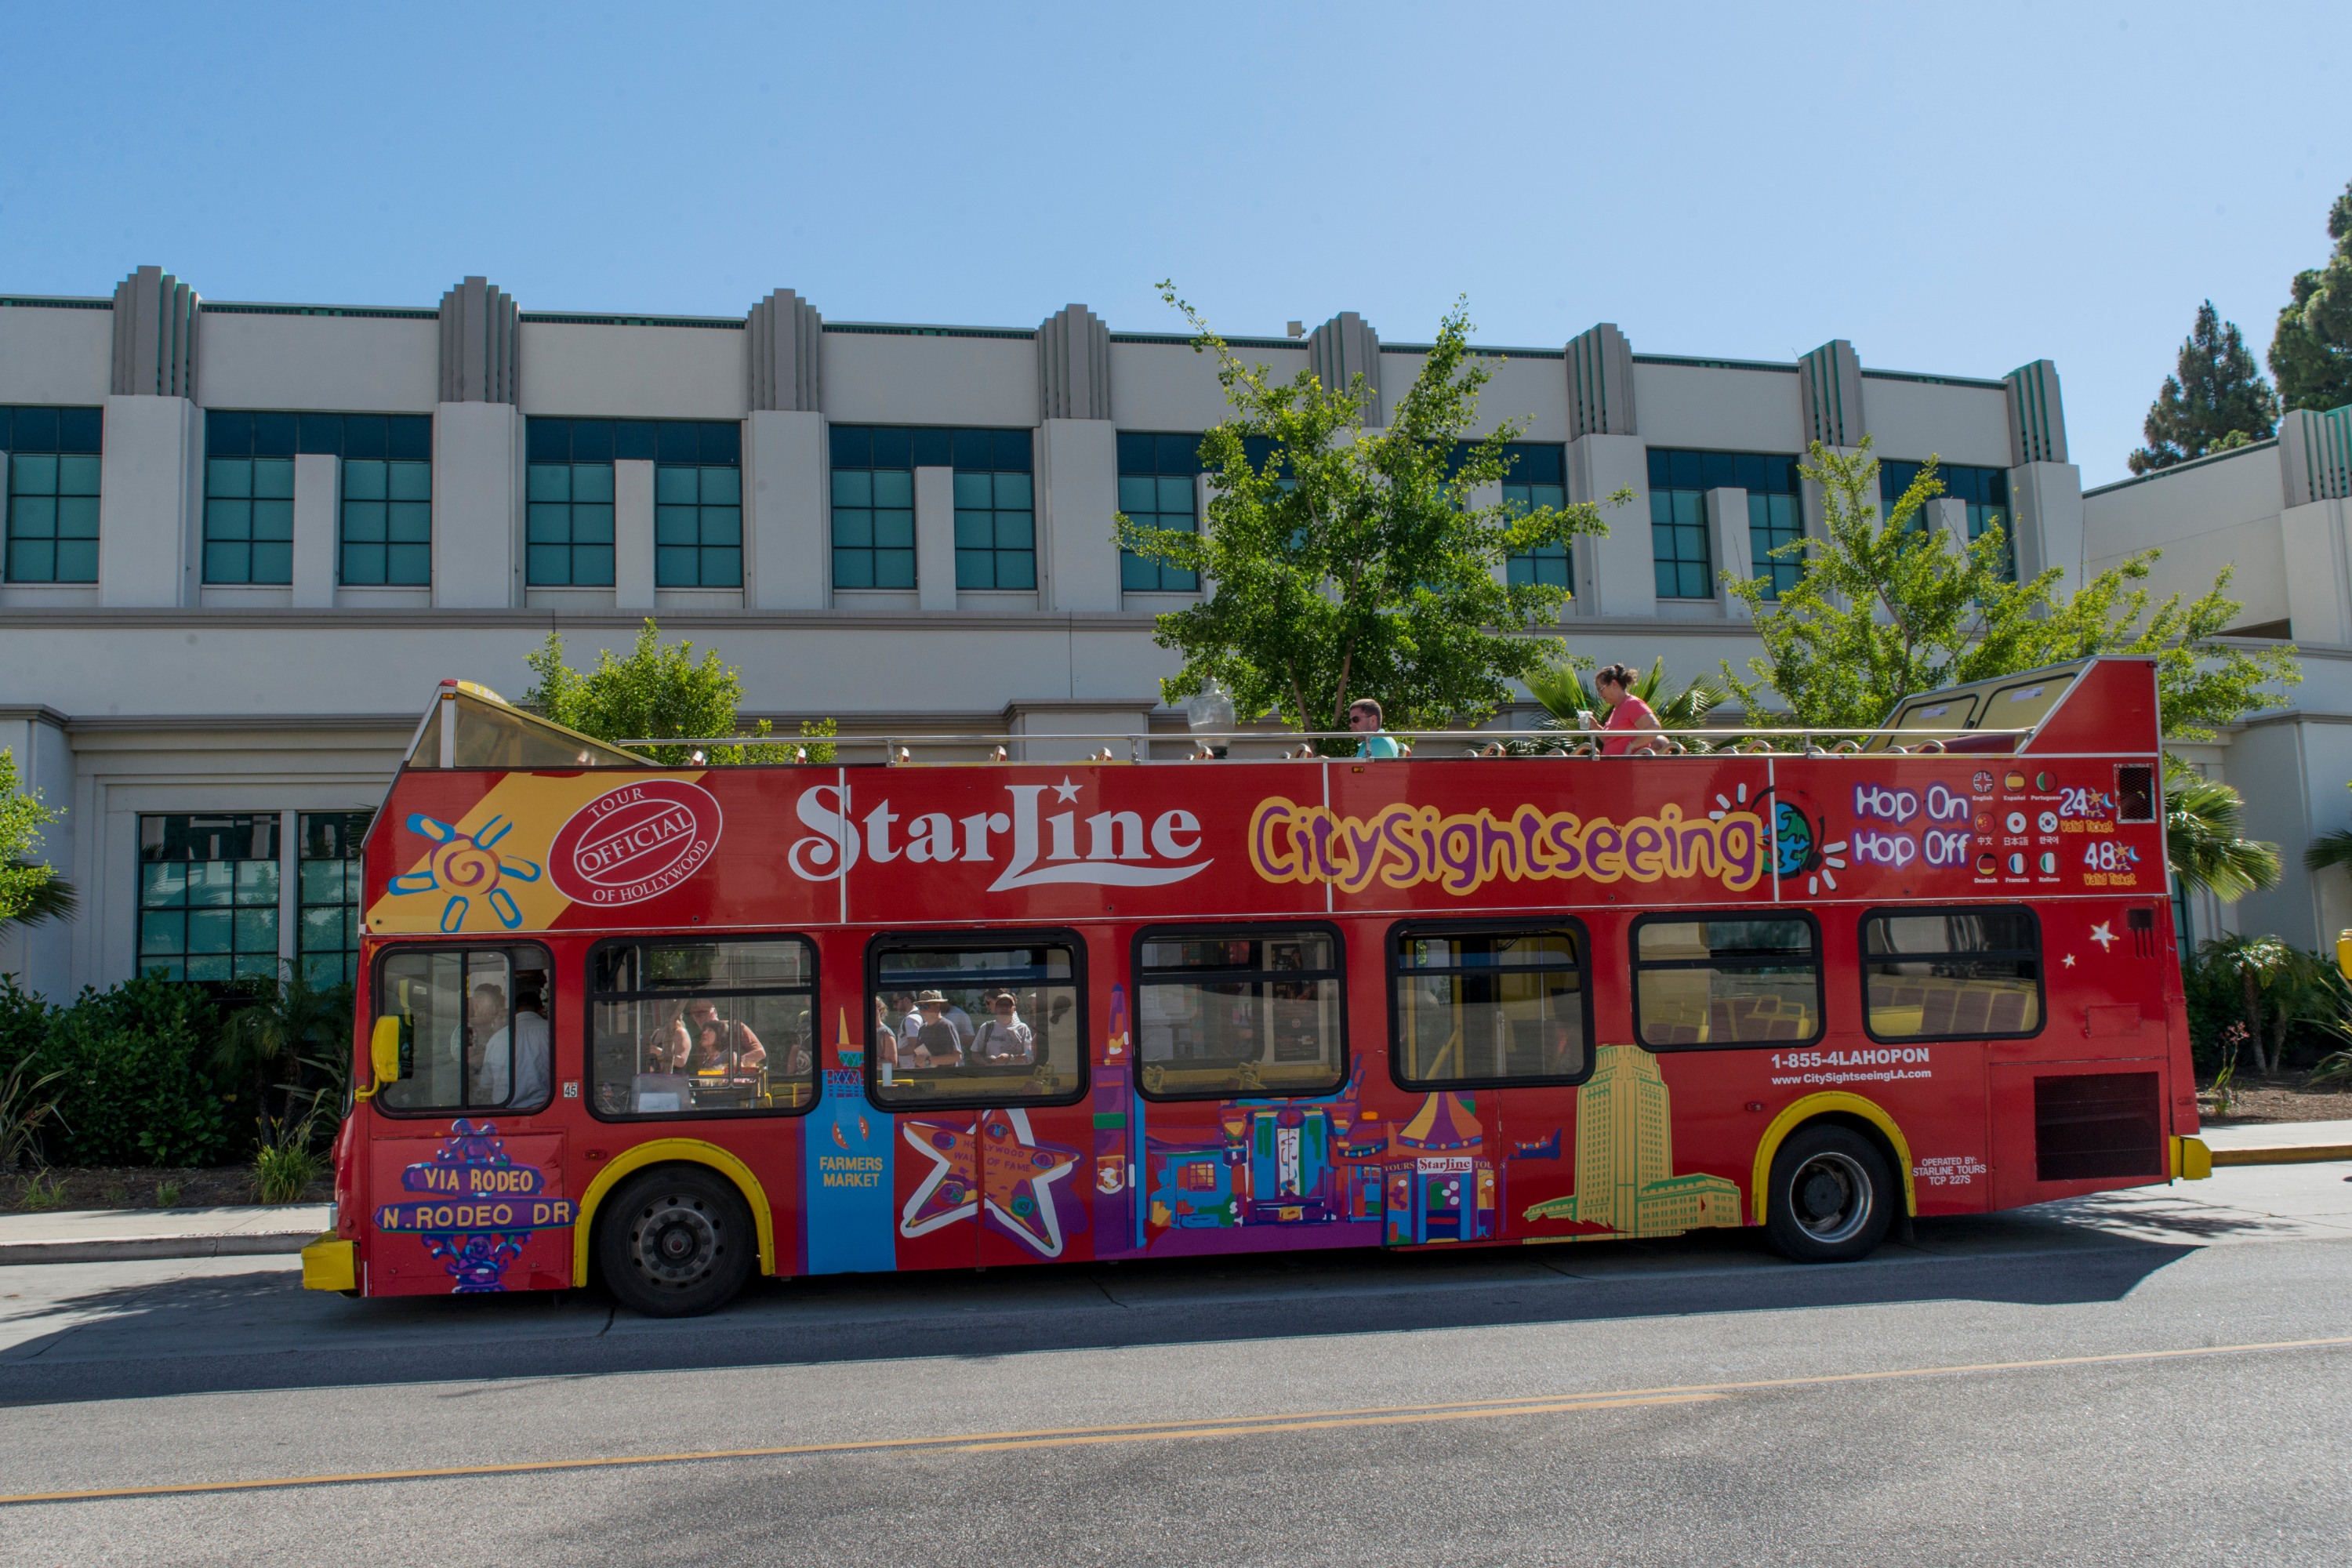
[1830, 1199]
[675, 1243]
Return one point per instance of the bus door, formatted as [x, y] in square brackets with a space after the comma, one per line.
[978, 1061]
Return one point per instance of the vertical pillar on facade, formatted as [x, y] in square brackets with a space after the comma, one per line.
[315, 530]
[1615, 573]
[1344, 348]
[935, 564]
[1078, 464]
[149, 516]
[41, 956]
[2315, 522]
[633, 533]
[477, 451]
[2045, 491]
[1727, 522]
[1830, 411]
[784, 465]
[1951, 516]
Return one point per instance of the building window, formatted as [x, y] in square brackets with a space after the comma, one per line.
[995, 514]
[387, 512]
[208, 896]
[327, 895]
[873, 507]
[1535, 477]
[1984, 491]
[1728, 981]
[699, 505]
[51, 497]
[1158, 486]
[1678, 541]
[1484, 1005]
[249, 497]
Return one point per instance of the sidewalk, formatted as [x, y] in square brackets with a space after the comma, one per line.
[109, 1235]
[2279, 1143]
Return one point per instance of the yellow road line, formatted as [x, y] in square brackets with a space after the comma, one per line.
[1212, 1427]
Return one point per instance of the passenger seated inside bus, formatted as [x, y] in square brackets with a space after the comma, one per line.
[697, 1040]
[491, 1069]
[1026, 1046]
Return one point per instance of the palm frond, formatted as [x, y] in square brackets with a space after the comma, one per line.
[2201, 820]
[52, 898]
[2329, 849]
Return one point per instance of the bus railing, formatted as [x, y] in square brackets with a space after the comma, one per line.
[1293, 745]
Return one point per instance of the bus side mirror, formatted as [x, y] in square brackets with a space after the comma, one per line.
[383, 1051]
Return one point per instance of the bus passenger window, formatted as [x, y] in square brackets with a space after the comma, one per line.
[703, 1028]
[1227, 1013]
[1479, 1007]
[997, 1023]
[473, 1027]
[1952, 974]
[1725, 982]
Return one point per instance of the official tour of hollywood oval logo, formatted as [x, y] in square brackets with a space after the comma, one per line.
[635, 843]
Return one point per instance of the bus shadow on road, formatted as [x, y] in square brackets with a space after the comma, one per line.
[228, 1331]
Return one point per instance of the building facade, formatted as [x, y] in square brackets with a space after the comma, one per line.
[2277, 515]
[244, 541]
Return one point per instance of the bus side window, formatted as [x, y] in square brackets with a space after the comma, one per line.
[1240, 1011]
[1479, 1005]
[999, 1021]
[1952, 974]
[702, 1028]
[1726, 980]
[474, 1027]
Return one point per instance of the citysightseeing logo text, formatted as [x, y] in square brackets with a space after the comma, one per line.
[1037, 848]
[1407, 845]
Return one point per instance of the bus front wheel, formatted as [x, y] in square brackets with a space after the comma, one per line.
[675, 1242]
[1830, 1199]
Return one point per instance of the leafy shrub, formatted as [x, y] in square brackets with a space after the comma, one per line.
[134, 1086]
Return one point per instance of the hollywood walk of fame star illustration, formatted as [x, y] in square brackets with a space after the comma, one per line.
[2104, 937]
[1018, 1176]
[947, 1193]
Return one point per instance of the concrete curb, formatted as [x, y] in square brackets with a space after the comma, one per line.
[123, 1249]
[2303, 1154]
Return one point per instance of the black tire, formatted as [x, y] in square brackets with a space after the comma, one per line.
[1831, 1200]
[675, 1242]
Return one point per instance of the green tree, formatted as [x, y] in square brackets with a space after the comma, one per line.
[660, 689]
[2215, 399]
[1344, 560]
[2311, 352]
[29, 890]
[1886, 608]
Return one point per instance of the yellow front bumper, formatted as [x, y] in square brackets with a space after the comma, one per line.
[331, 1263]
[2192, 1161]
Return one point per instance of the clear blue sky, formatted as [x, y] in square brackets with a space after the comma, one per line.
[1958, 189]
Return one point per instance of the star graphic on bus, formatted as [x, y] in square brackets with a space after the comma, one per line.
[2103, 935]
[466, 867]
[1065, 790]
[1018, 1175]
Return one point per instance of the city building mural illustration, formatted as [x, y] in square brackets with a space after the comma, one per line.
[1625, 1179]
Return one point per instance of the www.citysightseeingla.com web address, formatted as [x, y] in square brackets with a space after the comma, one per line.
[1888, 1064]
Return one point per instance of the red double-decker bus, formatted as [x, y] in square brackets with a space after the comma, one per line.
[672, 1026]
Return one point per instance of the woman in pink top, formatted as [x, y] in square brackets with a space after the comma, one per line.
[1627, 712]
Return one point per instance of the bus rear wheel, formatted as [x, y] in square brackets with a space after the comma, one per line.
[1831, 1200]
[675, 1242]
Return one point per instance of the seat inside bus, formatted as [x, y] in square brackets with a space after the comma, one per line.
[471, 726]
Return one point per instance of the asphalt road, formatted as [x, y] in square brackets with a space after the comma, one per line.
[2151, 1377]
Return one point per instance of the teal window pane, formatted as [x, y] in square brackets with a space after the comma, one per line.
[975, 529]
[722, 525]
[972, 491]
[547, 523]
[722, 487]
[550, 482]
[410, 481]
[409, 565]
[273, 563]
[722, 566]
[163, 933]
[591, 566]
[364, 482]
[320, 930]
[675, 487]
[591, 524]
[33, 474]
[273, 477]
[592, 481]
[1175, 495]
[975, 569]
[853, 568]
[676, 525]
[228, 563]
[893, 568]
[76, 561]
[257, 931]
[894, 531]
[257, 882]
[1016, 569]
[33, 560]
[78, 517]
[364, 521]
[852, 487]
[228, 477]
[1016, 531]
[163, 886]
[363, 564]
[853, 530]
[213, 968]
[77, 476]
[1012, 491]
[893, 488]
[1138, 495]
[34, 516]
[226, 520]
[212, 931]
[675, 566]
[548, 566]
[273, 520]
[411, 521]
